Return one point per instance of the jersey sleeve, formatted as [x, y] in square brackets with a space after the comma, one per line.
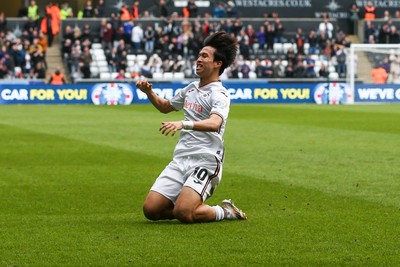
[220, 104]
[178, 100]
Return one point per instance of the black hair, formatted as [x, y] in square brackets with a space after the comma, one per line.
[225, 48]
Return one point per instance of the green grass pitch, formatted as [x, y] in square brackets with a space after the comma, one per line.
[320, 185]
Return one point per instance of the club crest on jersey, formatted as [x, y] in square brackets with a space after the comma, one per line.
[193, 106]
[112, 94]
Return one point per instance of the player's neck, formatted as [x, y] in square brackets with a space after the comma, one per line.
[205, 81]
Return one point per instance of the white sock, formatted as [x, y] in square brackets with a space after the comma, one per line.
[219, 213]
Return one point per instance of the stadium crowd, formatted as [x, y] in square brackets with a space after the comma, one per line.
[172, 44]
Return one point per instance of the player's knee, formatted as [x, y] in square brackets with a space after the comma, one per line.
[150, 212]
[183, 215]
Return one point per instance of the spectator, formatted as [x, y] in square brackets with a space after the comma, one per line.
[36, 52]
[99, 10]
[384, 34]
[231, 10]
[66, 11]
[270, 36]
[310, 72]
[323, 72]
[33, 11]
[394, 37]
[128, 27]
[369, 11]
[87, 33]
[245, 69]
[68, 33]
[279, 31]
[261, 37]
[137, 38]
[149, 37]
[327, 27]
[312, 40]
[192, 9]
[219, 10]
[112, 59]
[135, 10]
[122, 61]
[107, 36]
[39, 71]
[394, 67]
[369, 30]
[121, 75]
[88, 11]
[278, 70]
[386, 64]
[341, 61]
[85, 61]
[386, 15]
[354, 16]
[299, 71]
[289, 71]
[162, 10]
[300, 40]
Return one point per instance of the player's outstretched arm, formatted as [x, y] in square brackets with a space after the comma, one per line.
[158, 102]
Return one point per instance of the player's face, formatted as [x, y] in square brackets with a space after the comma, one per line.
[205, 64]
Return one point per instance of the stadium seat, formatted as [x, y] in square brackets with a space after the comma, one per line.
[97, 46]
[179, 75]
[141, 57]
[168, 75]
[252, 75]
[334, 75]
[114, 75]
[157, 76]
[278, 48]
[286, 47]
[102, 63]
[99, 57]
[105, 75]
[131, 57]
[103, 69]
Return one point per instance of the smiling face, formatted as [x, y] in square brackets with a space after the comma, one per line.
[205, 64]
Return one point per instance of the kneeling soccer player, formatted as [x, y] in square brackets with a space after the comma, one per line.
[196, 169]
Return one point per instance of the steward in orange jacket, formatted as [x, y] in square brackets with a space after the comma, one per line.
[51, 22]
[124, 13]
[369, 11]
[57, 78]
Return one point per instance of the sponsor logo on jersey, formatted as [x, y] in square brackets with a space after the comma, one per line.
[193, 106]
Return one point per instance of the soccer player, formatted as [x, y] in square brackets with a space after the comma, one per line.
[196, 168]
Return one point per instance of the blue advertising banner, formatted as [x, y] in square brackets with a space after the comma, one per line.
[382, 93]
[125, 94]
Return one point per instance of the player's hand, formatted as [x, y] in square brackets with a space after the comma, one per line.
[171, 127]
[144, 86]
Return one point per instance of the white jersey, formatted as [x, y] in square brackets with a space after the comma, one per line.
[198, 104]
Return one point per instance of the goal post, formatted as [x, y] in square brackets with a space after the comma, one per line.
[363, 58]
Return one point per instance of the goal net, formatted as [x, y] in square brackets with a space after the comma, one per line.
[364, 59]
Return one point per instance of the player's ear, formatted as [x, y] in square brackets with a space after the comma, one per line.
[217, 63]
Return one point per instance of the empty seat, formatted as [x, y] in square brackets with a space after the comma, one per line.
[179, 75]
[168, 75]
[131, 57]
[141, 57]
[102, 63]
[157, 76]
[105, 75]
[97, 46]
[333, 76]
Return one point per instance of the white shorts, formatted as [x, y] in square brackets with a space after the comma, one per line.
[202, 173]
